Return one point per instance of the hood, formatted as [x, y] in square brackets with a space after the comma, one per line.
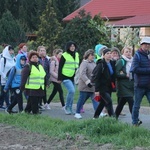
[6, 53]
[69, 44]
[18, 64]
[99, 48]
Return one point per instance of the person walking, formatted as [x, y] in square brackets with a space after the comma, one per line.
[141, 70]
[85, 86]
[32, 82]
[7, 62]
[13, 83]
[43, 60]
[125, 85]
[105, 83]
[54, 77]
[68, 65]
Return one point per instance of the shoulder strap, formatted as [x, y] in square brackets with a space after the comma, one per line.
[4, 62]
[138, 56]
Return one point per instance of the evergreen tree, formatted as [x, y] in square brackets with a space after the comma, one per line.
[81, 31]
[11, 31]
[49, 28]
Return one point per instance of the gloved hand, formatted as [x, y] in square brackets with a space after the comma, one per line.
[89, 85]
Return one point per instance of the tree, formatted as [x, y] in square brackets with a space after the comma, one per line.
[11, 31]
[49, 28]
[65, 7]
[81, 31]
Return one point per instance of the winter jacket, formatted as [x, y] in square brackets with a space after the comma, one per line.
[125, 87]
[46, 65]
[104, 79]
[14, 78]
[10, 62]
[141, 69]
[24, 78]
[54, 69]
[85, 71]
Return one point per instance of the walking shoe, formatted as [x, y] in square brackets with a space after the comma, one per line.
[103, 114]
[122, 114]
[138, 124]
[78, 116]
[46, 106]
[82, 110]
[2, 107]
[41, 108]
[72, 112]
[10, 111]
[67, 111]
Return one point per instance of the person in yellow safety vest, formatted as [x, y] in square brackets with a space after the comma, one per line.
[68, 65]
[98, 51]
[32, 82]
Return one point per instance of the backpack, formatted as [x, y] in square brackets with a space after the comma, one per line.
[7, 74]
[95, 72]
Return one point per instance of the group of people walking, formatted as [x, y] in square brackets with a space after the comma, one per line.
[30, 73]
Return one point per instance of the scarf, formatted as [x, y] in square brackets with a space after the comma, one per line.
[128, 63]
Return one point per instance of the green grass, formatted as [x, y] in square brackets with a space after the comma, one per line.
[100, 131]
[114, 97]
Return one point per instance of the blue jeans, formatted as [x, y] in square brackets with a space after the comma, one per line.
[83, 98]
[138, 95]
[69, 85]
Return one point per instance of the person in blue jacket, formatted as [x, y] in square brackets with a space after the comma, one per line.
[13, 83]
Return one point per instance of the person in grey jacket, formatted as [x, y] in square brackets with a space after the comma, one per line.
[85, 87]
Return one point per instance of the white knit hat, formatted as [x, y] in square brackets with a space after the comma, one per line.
[145, 40]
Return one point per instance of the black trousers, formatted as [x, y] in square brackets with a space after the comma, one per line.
[32, 105]
[44, 98]
[57, 88]
[107, 102]
[16, 98]
[122, 102]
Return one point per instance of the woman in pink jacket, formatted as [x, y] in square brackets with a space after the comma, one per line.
[54, 76]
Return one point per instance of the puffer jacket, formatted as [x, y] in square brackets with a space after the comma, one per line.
[85, 71]
[141, 69]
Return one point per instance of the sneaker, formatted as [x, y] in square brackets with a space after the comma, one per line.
[122, 114]
[103, 114]
[67, 111]
[72, 112]
[2, 107]
[46, 106]
[10, 111]
[78, 116]
[82, 110]
[138, 124]
[41, 108]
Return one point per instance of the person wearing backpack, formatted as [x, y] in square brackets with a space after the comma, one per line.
[141, 69]
[125, 86]
[13, 83]
[85, 86]
[104, 83]
[7, 62]
[54, 65]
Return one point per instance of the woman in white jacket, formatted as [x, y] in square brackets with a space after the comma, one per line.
[6, 63]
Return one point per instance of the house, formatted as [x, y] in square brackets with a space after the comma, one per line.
[120, 13]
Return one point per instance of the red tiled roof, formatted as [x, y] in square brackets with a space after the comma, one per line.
[114, 9]
[137, 21]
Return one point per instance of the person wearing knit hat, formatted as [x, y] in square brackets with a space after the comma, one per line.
[32, 82]
[105, 83]
[98, 51]
[115, 53]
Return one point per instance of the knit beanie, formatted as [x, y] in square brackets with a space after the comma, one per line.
[106, 50]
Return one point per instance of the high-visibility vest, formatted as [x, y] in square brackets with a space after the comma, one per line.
[70, 65]
[36, 78]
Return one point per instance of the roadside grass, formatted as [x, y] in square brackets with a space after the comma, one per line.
[99, 131]
[114, 97]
